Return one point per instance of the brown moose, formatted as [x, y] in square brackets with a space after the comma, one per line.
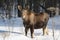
[34, 20]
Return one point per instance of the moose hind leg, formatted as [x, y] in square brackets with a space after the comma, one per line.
[45, 31]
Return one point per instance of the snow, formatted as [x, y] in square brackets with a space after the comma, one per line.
[13, 29]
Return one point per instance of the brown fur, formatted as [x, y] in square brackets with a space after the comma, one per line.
[33, 21]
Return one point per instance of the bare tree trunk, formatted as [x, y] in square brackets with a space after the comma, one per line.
[53, 27]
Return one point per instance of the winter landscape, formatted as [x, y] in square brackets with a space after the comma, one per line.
[11, 23]
[13, 29]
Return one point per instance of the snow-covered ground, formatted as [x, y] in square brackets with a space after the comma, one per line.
[13, 30]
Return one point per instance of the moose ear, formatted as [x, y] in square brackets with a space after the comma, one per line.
[20, 7]
[27, 7]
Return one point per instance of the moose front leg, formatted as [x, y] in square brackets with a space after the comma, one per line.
[26, 30]
[32, 31]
